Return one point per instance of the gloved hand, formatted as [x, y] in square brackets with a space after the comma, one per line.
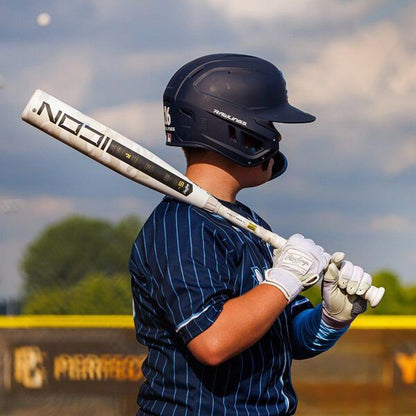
[298, 265]
[342, 287]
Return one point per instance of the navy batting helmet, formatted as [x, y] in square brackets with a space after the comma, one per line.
[228, 103]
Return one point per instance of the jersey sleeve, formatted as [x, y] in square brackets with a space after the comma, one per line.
[195, 270]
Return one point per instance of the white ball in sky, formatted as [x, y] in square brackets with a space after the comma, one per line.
[44, 19]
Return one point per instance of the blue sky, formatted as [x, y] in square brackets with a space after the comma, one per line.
[350, 184]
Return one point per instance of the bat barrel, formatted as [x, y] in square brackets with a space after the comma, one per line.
[109, 148]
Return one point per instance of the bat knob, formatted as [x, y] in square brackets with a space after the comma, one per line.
[374, 295]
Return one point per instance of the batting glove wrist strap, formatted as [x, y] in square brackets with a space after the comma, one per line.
[284, 280]
[334, 323]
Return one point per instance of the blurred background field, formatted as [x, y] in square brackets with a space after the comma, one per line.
[90, 365]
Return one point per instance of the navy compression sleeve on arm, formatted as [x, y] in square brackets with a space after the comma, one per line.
[311, 336]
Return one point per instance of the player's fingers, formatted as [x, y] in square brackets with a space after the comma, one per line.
[337, 258]
[347, 269]
[331, 275]
[355, 280]
[364, 285]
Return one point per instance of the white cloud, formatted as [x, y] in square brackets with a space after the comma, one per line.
[390, 223]
[49, 207]
[10, 205]
[35, 208]
[141, 122]
[363, 89]
[374, 63]
[66, 74]
[293, 11]
[144, 63]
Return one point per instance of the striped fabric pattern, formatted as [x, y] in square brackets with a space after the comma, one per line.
[185, 264]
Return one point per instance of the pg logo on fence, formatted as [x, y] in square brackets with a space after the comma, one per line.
[30, 367]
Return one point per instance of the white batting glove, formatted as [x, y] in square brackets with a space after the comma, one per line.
[298, 265]
[342, 288]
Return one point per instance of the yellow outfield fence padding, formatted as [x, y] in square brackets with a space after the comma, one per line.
[126, 321]
[385, 322]
[67, 321]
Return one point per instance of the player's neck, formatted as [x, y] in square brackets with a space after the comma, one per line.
[214, 179]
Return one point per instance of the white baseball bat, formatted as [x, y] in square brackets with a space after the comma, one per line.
[128, 158]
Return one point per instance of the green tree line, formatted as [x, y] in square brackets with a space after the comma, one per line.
[80, 266]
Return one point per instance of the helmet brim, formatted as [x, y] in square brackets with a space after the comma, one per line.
[285, 113]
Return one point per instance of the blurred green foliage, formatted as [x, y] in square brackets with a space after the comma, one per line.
[80, 266]
[398, 299]
[94, 294]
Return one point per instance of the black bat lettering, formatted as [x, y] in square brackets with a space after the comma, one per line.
[71, 129]
[53, 119]
[96, 141]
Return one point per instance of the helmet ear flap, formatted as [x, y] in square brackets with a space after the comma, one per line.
[279, 165]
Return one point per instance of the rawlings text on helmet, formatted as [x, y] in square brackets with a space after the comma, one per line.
[229, 117]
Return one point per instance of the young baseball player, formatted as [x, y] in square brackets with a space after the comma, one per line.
[221, 314]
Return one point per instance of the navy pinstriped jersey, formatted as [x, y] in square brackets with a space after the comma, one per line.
[185, 264]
